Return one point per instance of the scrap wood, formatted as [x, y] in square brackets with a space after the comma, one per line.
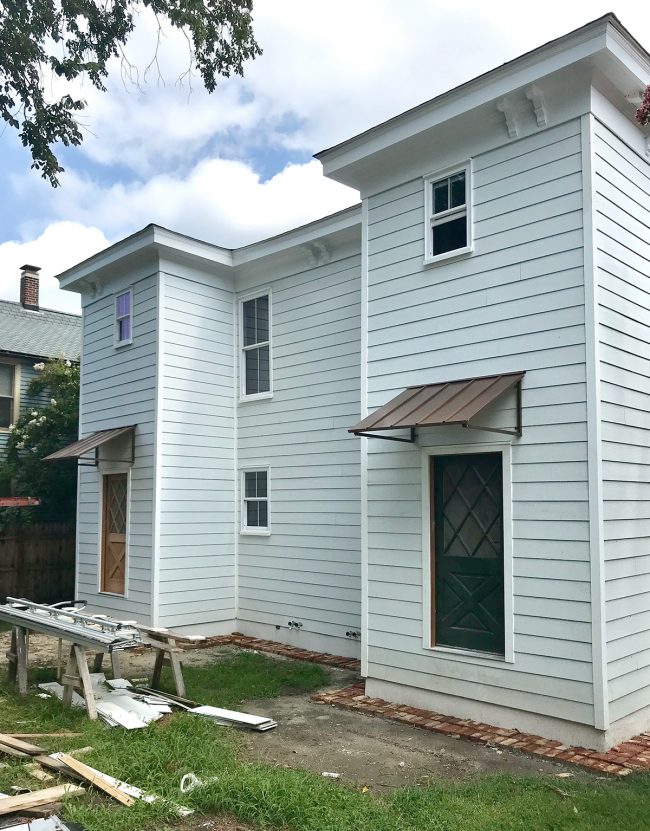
[62, 734]
[35, 771]
[95, 778]
[19, 744]
[11, 751]
[41, 811]
[12, 804]
[52, 763]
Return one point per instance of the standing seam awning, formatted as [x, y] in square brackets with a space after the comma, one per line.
[433, 405]
[91, 443]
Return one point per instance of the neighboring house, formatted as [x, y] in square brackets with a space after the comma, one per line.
[29, 334]
[494, 278]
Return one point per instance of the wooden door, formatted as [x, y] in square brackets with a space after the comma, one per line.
[113, 558]
[467, 551]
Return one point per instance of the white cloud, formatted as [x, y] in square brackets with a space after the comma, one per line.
[60, 246]
[219, 200]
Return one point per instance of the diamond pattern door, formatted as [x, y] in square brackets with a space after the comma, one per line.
[467, 551]
[113, 568]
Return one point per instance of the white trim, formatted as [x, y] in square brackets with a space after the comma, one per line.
[244, 529]
[364, 441]
[243, 397]
[158, 451]
[14, 415]
[127, 545]
[508, 580]
[594, 445]
[235, 455]
[117, 343]
[431, 219]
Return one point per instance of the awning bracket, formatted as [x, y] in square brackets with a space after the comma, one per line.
[517, 432]
[369, 435]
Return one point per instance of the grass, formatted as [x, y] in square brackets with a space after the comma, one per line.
[268, 797]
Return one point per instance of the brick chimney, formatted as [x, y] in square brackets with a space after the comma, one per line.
[29, 287]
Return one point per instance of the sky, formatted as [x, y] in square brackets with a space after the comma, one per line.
[236, 166]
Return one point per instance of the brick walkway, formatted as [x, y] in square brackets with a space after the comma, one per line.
[247, 642]
[619, 761]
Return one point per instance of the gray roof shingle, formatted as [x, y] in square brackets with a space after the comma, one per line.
[42, 334]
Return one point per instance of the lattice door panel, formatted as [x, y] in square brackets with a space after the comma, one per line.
[467, 551]
[113, 565]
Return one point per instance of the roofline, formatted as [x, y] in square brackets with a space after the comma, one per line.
[29, 355]
[42, 309]
[162, 238]
[491, 75]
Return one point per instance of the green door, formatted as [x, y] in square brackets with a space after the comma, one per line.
[467, 551]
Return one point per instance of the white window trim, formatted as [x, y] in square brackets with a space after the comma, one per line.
[257, 396]
[429, 179]
[468, 655]
[15, 410]
[243, 528]
[106, 469]
[116, 329]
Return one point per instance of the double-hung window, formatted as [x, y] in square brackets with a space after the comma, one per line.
[255, 501]
[448, 214]
[256, 346]
[7, 376]
[124, 318]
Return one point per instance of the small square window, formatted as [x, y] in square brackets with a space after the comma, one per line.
[255, 501]
[123, 318]
[447, 220]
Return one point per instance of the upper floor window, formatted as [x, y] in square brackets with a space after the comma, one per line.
[7, 375]
[448, 219]
[124, 318]
[256, 346]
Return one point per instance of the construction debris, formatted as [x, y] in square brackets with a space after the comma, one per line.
[95, 778]
[232, 718]
[13, 804]
[51, 823]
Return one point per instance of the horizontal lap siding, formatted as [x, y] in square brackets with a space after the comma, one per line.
[517, 303]
[622, 202]
[111, 398]
[197, 547]
[308, 569]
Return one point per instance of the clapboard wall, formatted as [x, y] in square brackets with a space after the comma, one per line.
[622, 243]
[118, 388]
[516, 303]
[308, 569]
[196, 545]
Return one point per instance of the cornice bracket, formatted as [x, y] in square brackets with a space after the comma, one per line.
[504, 106]
[536, 98]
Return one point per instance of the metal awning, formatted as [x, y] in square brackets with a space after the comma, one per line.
[91, 444]
[433, 405]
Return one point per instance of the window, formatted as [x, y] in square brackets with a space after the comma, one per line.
[255, 501]
[7, 372]
[448, 229]
[256, 346]
[123, 315]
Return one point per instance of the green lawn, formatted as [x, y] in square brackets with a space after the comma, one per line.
[277, 798]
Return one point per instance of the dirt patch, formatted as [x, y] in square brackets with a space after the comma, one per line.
[377, 753]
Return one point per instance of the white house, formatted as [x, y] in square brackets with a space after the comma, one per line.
[486, 306]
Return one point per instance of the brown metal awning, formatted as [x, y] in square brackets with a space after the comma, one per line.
[91, 444]
[433, 405]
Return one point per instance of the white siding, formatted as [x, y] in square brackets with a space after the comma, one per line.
[197, 487]
[516, 303]
[118, 388]
[308, 569]
[622, 233]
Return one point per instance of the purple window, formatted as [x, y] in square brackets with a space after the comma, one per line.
[123, 316]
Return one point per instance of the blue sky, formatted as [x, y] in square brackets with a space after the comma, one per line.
[237, 166]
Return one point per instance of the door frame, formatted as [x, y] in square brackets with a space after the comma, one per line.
[109, 470]
[504, 448]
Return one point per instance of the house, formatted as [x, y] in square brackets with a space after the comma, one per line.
[29, 334]
[416, 430]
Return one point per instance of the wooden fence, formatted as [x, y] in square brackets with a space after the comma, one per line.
[37, 561]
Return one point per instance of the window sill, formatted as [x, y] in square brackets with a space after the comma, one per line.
[479, 657]
[449, 255]
[112, 594]
[123, 343]
[260, 396]
[253, 532]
